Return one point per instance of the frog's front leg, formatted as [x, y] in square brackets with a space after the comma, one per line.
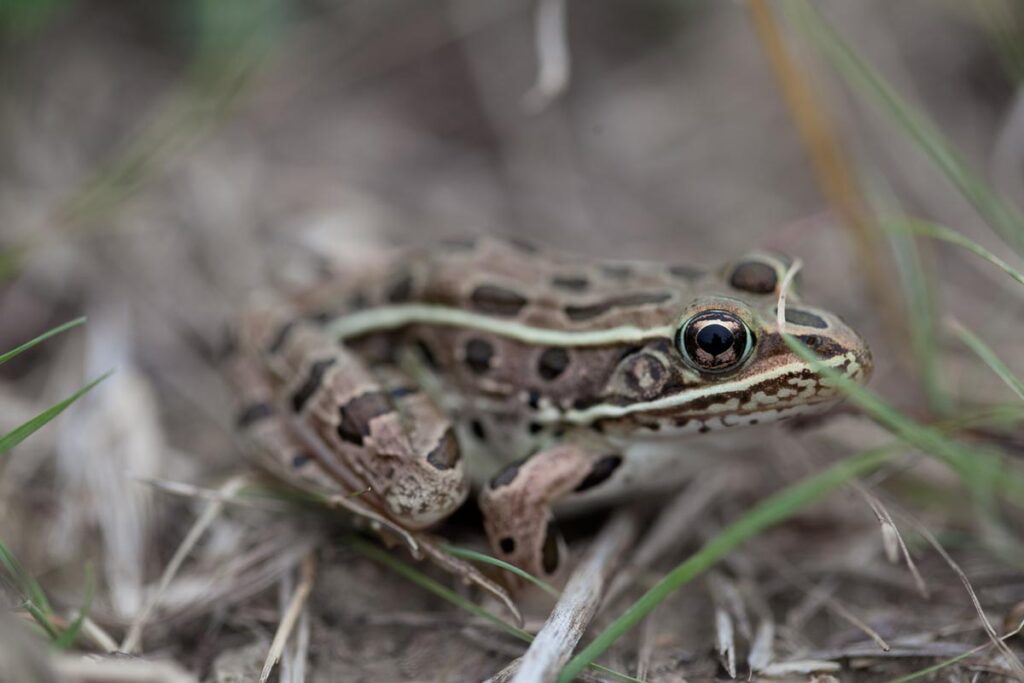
[517, 502]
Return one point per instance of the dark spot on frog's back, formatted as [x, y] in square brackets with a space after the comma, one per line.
[355, 416]
[459, 243]
[570, 283]
[616, 271]
[507, 545]
[495, 300]
[446, 454]
[313, 381]
[552, 363]
[755, 277]
[595, 310]
[685, 272]
[479, 353]
[523, 245]
[806, 318]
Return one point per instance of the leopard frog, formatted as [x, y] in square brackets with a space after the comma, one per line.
[539, 378]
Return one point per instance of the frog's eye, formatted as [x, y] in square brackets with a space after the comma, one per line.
[714, 341]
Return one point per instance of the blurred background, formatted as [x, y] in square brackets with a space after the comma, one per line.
[160, 161]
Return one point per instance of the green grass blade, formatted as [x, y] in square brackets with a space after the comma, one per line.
[4, 357]
[769, 512]
[996, 211]
[980, 468]
[921, 306]
[974, 343]
[467, 554]
[42, 618]
[67, 638]
[941, 232]
[25, 581]
[22, 432]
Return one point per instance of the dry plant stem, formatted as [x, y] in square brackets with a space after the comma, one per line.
[645, 649]
[725, 642]
[885, 519]
[95, 633]
[291, 615]
[552, 56]
[827, 156]
[133, 639]
[178, 488]
[792, 575]
[564, 627]
[669, 530]
[1012, 659]
[73, 669]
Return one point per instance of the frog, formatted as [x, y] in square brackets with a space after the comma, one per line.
[541, 379]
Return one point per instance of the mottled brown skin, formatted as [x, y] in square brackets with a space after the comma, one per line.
[531, 379]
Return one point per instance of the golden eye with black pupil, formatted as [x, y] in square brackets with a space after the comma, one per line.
[714, 341]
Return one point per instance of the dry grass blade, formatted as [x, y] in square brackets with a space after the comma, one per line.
[133, 639]
[822, 597]
[185, 490]
[957, 658]
[725, 641]
[761, 649]
[120, 670]
[291, 616]
[564, 627]
[1012, 659]
[552, 56]
[885, 519]
[998, 213]
[769, 512]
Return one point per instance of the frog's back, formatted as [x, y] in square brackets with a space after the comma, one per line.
[513, 282]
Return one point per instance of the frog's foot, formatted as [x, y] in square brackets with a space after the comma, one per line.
[517, 504]
[467, 572]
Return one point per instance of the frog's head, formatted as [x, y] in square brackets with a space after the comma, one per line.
[727, 363]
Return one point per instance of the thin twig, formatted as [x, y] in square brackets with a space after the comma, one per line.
[885, 519]
[1011, 657]
[210, 514]
[291, 616]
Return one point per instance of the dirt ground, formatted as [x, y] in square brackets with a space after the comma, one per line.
[162, 161]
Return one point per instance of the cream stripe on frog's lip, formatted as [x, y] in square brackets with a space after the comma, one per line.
[725, 389]
[392, 317]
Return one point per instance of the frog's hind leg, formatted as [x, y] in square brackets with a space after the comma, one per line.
[517, 503]
[288, 451]
[292, 445]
